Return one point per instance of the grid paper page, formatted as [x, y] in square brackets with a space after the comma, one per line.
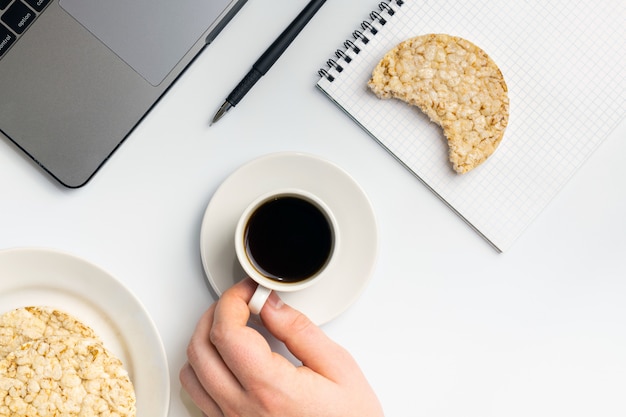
[564, 65]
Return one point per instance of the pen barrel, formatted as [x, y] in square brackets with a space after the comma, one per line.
[244, 86]
[271, 55]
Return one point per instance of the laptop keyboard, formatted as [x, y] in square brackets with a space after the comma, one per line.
[16, 17]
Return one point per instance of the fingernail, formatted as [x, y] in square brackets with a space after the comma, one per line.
[275, 301]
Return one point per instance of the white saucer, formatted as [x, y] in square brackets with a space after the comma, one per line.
[347, 277]
[41, 277]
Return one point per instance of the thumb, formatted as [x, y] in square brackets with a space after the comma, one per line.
[306, 341]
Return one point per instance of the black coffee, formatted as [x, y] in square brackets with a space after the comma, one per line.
[288, 239]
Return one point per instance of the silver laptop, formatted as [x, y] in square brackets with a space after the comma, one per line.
[76, 76]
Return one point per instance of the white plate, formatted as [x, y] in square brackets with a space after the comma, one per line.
[55, 279]
[347, 277]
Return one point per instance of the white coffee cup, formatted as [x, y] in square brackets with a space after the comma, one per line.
[285, 240]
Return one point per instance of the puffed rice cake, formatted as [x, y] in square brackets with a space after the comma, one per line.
[24, 324]
[64, 376]
[457, 85]
[53, 365]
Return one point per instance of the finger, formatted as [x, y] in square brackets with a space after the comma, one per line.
[246, 353]
[190, 382]
[306, 341]
[208, 366]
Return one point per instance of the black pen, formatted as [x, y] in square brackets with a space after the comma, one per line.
[269, 57]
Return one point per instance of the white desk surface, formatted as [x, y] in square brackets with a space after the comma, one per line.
[447, 327]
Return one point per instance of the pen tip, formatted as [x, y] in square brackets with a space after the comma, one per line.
[221, 112]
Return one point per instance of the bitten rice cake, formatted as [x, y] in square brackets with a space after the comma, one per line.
[457, 85]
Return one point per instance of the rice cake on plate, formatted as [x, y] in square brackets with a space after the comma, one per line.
[23, 324]
[53, 365]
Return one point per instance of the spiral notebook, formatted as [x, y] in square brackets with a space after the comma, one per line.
[564, 65]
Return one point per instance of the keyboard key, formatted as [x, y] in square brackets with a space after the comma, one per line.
[18, 17]
[6, 39]
[38, 5]
[4, 4]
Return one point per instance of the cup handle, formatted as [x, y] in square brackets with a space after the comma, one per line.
[258, 299]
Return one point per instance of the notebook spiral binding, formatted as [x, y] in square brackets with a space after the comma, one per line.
[378, 18]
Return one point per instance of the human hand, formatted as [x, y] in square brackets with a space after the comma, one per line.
[231, 370]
